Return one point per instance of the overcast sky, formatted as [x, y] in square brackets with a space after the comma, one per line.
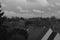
[31, 8]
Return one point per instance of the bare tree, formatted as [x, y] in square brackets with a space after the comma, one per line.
[1, 14]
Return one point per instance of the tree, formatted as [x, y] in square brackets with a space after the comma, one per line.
[1, 14]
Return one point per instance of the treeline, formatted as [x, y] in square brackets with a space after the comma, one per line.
[20, 22]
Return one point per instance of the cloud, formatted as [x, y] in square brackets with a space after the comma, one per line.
[31, 0]
[57, 14]
[21, 10]
[38, 11]
[11, 13]
[4, 5]
[58, 4]
[16, 1]
[24, 11]
[41, 2]
[58, 11]
[54, 3]
[28, 2]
